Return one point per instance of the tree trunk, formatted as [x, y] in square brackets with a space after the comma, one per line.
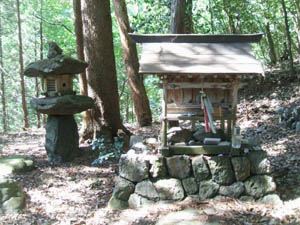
[292, 70]
[86, 116]
[227, 9]
[44, 116]
[138, 92]
[101, 72]
[211, 11]
[3, 97]
[38, 115]
[177, 16]
[272, 52]
[188, 21]
[25, 112]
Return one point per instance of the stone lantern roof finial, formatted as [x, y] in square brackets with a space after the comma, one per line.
[54, 50]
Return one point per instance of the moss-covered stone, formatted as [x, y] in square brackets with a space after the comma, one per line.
[15, 165]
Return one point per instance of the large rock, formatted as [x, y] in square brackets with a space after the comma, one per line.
[169, 189]
[146, 189]
[59, 65]
[208, 189]
[136, 201]
[134, 167]
[220, 168]
[12, 198]
[176, 135]
[200, 168]
[123, 189]
[241, 167]
[190, 185]
[273, 199]
[15, 165]
[179, 166]
[62, 105]
[260, 164]
[259, 185]
[158, 166]
[62, 139]
[234, 191]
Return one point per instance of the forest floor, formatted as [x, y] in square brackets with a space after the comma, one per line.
[78, 193]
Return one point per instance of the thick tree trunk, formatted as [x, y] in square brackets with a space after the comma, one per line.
[177, 16]
[86, 116]
[3, 97]
[101, 72]
[292, 70]
[138, 92]
[272, 52]
[24, 106]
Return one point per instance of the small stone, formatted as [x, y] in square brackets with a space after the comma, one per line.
[134, 139]
[116, 204]
[247, 198]
[169, 189]
[179, 166]
[259, 162]
[190, 185]
[136, 201]
[234, 191]
[176, 135]
[200, 168]
[259, 185]
[123, 189]
[140, 147]
[208, 189]
[133, 167]
[273, 199]
[221, 170]
[157, 166]
[241, 167]
[146, 189]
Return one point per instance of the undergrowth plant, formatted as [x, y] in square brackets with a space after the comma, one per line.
[107, 149]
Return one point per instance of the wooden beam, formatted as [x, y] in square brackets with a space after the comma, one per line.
[199, 150]
[195, 38]
[219, 85]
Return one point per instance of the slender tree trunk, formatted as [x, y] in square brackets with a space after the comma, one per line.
[227, 9]
[24, 106]
[138, 91]
[177, 16]
[44, 116]
[292, 70]
[86, 116]
[38, 115]
[188, 21]
[211, 11]
[3, 97]
[272, 52]
[101, 72]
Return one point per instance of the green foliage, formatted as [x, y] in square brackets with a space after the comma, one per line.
[107, 149]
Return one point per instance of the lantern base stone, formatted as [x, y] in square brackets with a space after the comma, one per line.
[62, 138]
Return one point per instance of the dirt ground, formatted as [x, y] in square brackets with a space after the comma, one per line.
[78, 193]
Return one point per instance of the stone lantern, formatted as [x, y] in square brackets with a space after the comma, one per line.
[60, 102]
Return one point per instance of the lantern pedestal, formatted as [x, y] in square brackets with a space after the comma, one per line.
[62, 139]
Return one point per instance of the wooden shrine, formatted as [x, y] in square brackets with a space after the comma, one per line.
[188, 64]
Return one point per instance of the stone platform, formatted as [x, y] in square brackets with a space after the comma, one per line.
[149, 178]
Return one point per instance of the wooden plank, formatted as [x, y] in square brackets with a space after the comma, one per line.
[231, 68]
[206, 85]
[187, 49]
[195, 38]
[187, 95]
[169, 58]
[201, 118]
[199, 150]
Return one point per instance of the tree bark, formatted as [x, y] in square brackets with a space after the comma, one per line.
[101, 72]
[292, 70]
[2, 74]
[86, 116]
[138, 91]
[177, 16]
[24, 106]
[272, 52]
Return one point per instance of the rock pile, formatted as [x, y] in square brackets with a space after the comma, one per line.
[290, 117]
[145, 179]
